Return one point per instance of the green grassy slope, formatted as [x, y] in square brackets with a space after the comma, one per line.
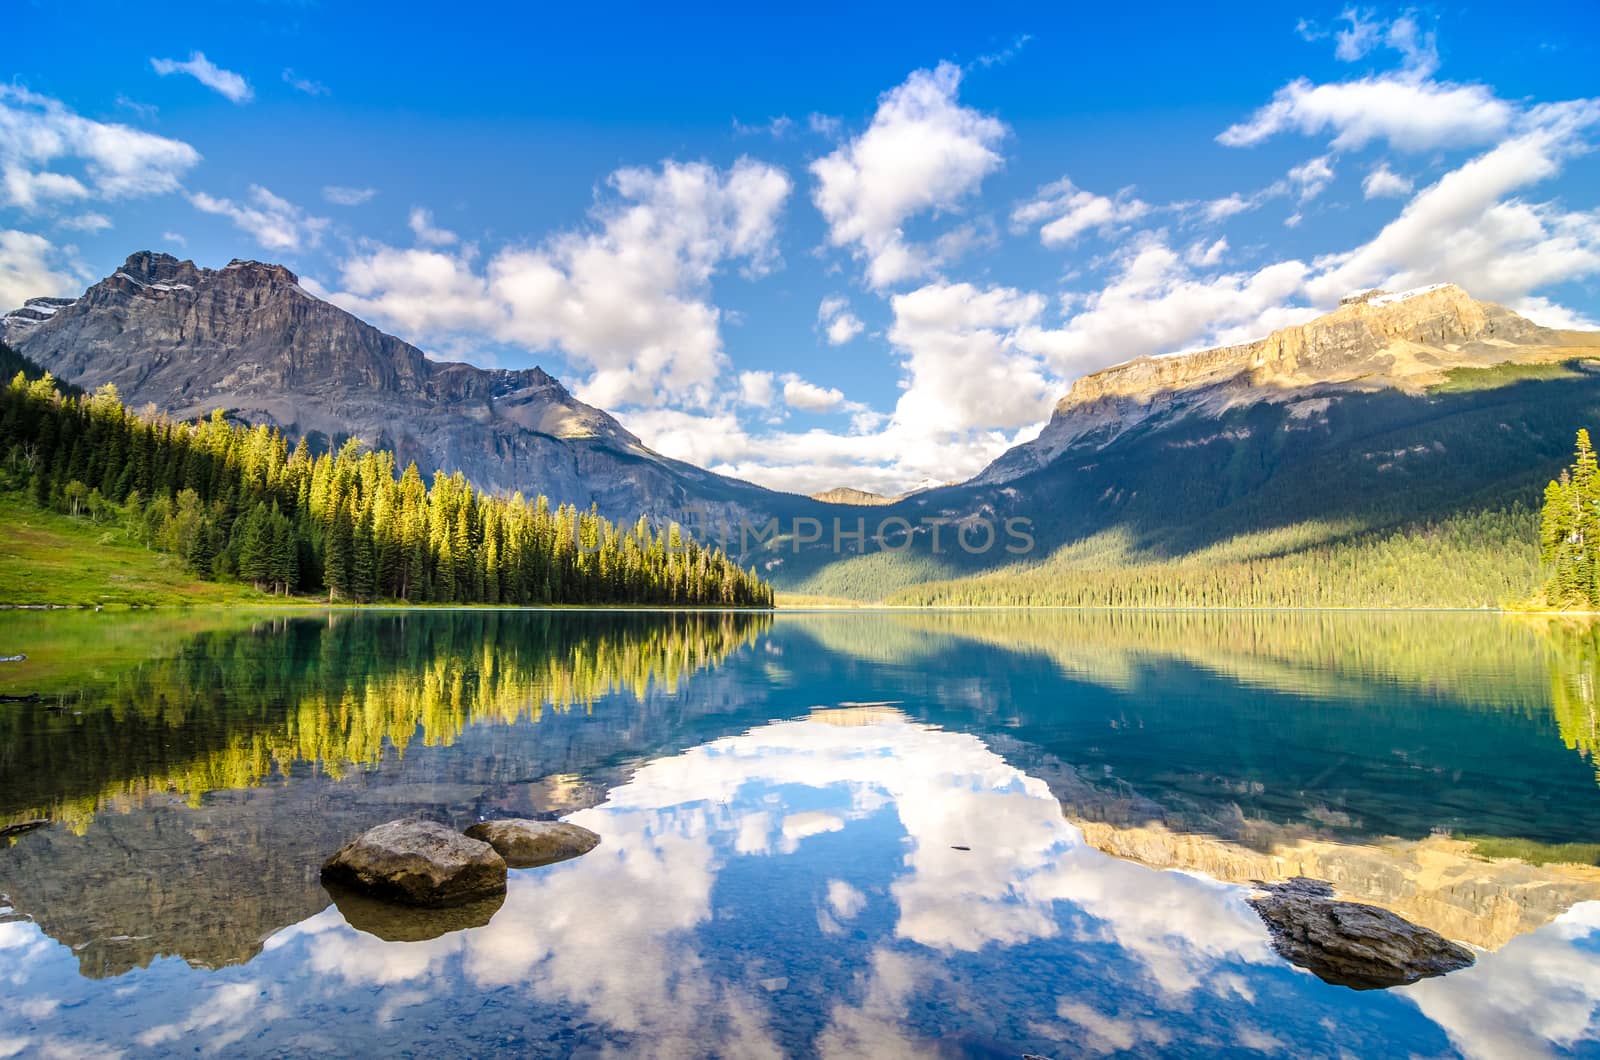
[46, 558]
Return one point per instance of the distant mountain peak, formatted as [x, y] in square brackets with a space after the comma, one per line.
[1375, 339]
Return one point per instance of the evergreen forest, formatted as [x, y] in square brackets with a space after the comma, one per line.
[236, 502]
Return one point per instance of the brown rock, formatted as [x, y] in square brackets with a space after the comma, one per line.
[525, 844]
[1349, 944]
[418, 863]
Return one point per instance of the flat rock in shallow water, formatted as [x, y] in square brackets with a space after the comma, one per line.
[418, 863]
[1349, 944]
[525, 844]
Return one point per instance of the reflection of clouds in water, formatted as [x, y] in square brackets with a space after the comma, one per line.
[1030, 933]
[224, 1016]
[1538, 990]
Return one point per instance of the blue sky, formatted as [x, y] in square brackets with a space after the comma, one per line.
[843, 248]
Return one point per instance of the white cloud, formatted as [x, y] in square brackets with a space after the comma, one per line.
[304, 84]
[115, 161]
[1156, 303]
[1364, 34]
[808, 397]
[838, 323]
[1551, 315]
[1465, 229]
[31, 268]
[1224, 208]
[923, 152]
[756, 388]
[964, 369]
[843, 328]
[224, 82]
[174, 238]
[341, 195]
[1407, 113]
[1203, 254]
[777, 128]
[26, 189]
[1068, 211]
[87, 222]
[625, 299]
[421, 222]
[1312, 177]
[1382, 182]
[274, 222]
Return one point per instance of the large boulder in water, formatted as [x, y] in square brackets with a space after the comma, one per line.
[525, 844]
[418, 863]
[1349, 944]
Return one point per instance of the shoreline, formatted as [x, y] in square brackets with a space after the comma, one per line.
[808, 608]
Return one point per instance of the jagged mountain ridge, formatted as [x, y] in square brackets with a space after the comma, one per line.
[1374, 340]
[249, 339]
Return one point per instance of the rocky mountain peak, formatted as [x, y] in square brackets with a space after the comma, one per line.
[248, 339]
[1375, 339]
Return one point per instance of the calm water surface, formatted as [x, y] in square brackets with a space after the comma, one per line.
[851, 834]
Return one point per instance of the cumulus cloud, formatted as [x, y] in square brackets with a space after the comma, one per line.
[1068, 211]
[1407, 113]
[808, 397]
[626, 298]
[30, 267]
[113, 161]
[838, 323]
[1156, 303]
[341, 195]
[422, 226]
[1382, 182]
[756, 388]
[225, 83]
[964, 369]
[274, 222]
[922, 152]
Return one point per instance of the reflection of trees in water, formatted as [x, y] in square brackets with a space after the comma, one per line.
[1574, 673]
[1475, 661]
[1468, 657]
[230, 709]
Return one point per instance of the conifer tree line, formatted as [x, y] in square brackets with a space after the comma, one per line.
[238, 502]
[1569, 531]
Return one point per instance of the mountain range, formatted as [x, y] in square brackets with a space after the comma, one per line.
[249, 339]
[1394, 407]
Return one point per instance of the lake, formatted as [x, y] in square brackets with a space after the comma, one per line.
[986, 833]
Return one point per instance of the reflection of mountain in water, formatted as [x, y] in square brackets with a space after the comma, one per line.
[1360, 725]
[861, 889]
[302, 732]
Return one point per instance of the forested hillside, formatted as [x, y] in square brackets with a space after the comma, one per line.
[1382, 498]
[238, 503]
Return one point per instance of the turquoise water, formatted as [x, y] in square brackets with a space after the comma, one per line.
[873, 834]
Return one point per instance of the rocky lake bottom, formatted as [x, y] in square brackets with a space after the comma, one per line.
[986, 833]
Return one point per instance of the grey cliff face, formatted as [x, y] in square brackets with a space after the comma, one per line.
[248, 339]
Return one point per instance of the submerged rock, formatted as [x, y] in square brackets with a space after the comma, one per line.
[525, 844]
[418, 863]
[1349, 944]
[406, 923]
